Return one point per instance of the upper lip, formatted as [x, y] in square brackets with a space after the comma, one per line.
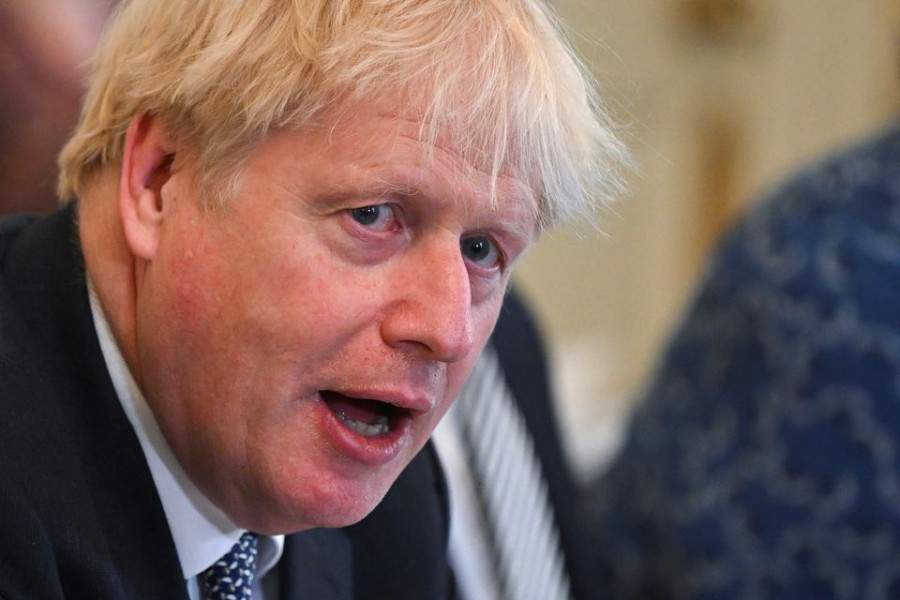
[414, 400]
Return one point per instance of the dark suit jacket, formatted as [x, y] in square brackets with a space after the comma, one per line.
[79, 513]
[520, 349]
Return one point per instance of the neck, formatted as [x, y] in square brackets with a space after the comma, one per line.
[110, 266]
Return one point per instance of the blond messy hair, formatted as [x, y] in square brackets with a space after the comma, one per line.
[496, 74]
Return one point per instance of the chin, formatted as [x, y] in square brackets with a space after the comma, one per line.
[329, 506]
[350, 509]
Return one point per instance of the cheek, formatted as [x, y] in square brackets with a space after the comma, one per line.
[190, 274]
[198, 311]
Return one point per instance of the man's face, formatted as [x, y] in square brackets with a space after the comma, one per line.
[299, 349]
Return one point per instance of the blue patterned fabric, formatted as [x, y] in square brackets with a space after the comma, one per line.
[231, 578]
[764, 461]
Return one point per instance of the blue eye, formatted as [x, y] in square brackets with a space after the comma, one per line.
[380, 217]
[367, 215]
[481, 250]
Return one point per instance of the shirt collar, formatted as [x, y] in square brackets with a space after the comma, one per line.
[201, 531]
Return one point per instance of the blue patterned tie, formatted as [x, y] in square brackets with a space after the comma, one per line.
[231, 578]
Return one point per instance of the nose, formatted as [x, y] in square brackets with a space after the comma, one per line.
[432, 305]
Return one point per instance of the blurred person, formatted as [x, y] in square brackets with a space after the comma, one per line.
[290, 230]
[763, 459]
[44, 49]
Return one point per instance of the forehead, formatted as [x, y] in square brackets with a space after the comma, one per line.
[372, 143]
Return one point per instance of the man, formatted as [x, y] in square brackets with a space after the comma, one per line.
[292, 227]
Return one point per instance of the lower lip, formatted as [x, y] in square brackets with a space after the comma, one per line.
[373, 451]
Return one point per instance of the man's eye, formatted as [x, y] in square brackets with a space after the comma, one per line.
[481, 250]
[376, 216]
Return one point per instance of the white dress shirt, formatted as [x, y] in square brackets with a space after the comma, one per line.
[201, 531]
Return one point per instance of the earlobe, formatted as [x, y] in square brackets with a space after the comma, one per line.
[146, 167]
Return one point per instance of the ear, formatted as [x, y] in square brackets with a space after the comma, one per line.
[146, 167]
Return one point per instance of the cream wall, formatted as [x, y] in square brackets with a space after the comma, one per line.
[718, 98]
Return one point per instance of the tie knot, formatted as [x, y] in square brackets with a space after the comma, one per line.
[231, 577]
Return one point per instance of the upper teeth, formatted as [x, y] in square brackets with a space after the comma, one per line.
[379, 427]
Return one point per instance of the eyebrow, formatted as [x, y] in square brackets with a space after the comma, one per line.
[377, 182]
[375, 193]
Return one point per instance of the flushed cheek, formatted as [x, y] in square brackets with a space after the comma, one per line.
[304, 306]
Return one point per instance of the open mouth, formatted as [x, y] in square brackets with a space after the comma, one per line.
[369, 418]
